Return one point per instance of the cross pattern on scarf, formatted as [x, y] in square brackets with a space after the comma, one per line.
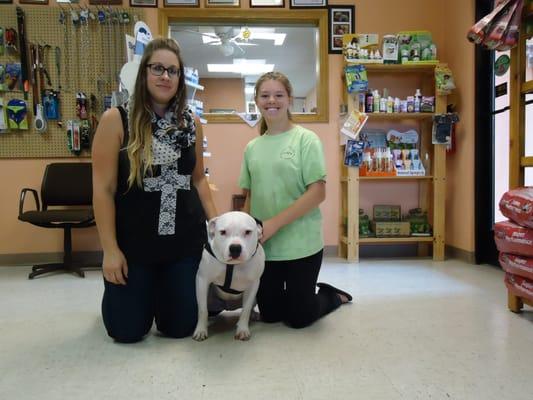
[168, 184]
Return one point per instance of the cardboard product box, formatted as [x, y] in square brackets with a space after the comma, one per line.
[391, 228]
[383, 213]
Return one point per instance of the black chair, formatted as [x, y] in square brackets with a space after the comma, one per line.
[69, 187]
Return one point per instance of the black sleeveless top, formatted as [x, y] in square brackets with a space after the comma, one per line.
[138, 211]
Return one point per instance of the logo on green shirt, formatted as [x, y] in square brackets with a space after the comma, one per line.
[287, 153]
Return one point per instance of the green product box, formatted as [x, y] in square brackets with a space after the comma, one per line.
[384, 213]
[391, 228]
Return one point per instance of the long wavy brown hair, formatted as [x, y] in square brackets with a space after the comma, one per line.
[140, 111]
[275, 76]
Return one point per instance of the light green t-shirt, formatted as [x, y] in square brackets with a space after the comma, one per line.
[277, 170]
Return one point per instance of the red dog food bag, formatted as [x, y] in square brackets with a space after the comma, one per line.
[519, 286]
[513, 238]
[517, 265]
[517, 205]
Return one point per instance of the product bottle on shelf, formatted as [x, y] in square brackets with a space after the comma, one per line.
[377, 101]
[427, 164]
[417, 101]
[369, 101]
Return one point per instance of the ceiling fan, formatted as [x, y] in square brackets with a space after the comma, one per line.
[225, 37]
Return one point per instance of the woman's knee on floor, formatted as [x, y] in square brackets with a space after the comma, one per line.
[300, 315]
[270, 312]
[177, 324]
[299, 321]
[128, 334]
[177, 330]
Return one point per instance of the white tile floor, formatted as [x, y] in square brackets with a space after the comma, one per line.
[417, 330]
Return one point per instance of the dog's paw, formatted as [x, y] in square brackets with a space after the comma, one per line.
[242, 334]
[199, 335]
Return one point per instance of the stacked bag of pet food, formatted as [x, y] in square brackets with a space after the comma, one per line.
[514, 240]
[500, 29]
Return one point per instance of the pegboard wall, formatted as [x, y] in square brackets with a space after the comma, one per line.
[91, 52]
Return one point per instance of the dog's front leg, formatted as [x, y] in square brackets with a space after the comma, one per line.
[248, 302]
[202, 288]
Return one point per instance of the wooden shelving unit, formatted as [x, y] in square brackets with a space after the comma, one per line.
[432, 188]
[518, 160]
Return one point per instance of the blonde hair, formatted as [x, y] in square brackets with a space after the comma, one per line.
[139, 147]
[274, 76]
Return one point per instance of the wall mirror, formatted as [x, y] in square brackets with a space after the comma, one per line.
[232, 48]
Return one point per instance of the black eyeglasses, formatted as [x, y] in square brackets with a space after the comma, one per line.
[158, 70]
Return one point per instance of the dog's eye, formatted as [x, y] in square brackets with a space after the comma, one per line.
[223, 232]
[248, 232]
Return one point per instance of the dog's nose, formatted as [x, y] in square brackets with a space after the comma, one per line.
[235, 250]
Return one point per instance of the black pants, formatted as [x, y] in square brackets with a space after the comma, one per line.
[288, 292]
[166, 293]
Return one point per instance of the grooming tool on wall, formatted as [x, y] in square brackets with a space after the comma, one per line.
[51, 105]
[73, 136]
[39, 122]
[81, 105]
[58, 66]
[3, 86]
[11, 39]
[42, 65]
[2, 46]
[3, 123]
[12, 75]
[24, 67]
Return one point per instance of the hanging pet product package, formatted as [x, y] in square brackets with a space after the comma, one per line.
[500, 29]
[442, 128]
[17, 114]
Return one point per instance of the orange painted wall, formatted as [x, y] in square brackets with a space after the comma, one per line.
[460, 230]
[448, 20]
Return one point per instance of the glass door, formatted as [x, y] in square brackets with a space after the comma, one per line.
[527, 88]
[504, 131]
[500, 122]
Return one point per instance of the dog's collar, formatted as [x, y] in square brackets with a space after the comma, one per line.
[229, 271]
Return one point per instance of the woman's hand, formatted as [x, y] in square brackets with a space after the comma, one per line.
[270, 227]
[115, 267]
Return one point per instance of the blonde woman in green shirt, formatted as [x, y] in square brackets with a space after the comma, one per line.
[283, 174]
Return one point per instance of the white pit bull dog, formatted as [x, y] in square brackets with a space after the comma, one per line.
[229, 272]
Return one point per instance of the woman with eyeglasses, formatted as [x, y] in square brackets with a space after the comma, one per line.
[151, 200]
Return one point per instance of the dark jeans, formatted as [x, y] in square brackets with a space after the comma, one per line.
[288, 292]
[164, 292]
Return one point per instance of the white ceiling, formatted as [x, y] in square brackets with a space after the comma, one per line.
[296, 58]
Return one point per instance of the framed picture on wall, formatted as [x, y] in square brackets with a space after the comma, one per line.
[29, 1]
[267, 3]
[308, 3]
[341, 21]
[143, 3]
[222, 3]
[106, 2]
[181, 3]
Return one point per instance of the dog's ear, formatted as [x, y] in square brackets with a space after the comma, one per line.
[259, 229]
[211, 228]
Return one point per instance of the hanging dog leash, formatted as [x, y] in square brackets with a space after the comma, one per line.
[42, 64]
[21, 22]
[58, 66]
